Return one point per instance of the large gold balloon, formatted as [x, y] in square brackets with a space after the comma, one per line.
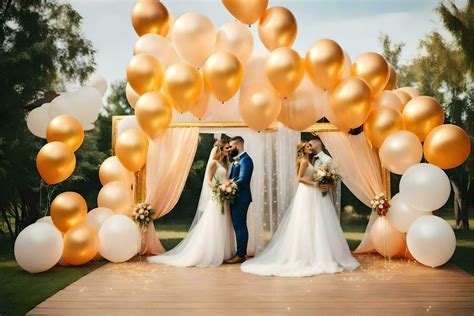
[150, 16]
[55, 162]
[447, 146]
[385, 238]
[388, 99]
[223, 74]
[153, 112]
[131, 148]
[285, 70]
[298, 111]
[67, 129]
[144, 73]
[277, 28]
[403, 96]
[246, 11]
[132, 96]
[392, 79]
[421, 115]
[112, 170]
[325, 63]
[117, 197]
[81, 244]
[400, 151]
[374, 69]
[351, 102]
[183, 84]
[199, 108]
[259, 107]
[381, 123]
[411, 91]
[68, 209]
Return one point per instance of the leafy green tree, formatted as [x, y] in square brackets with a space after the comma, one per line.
[42, 51]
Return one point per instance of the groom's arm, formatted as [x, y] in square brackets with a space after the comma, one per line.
[245, 172]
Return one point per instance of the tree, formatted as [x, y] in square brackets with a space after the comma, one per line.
[42, 51]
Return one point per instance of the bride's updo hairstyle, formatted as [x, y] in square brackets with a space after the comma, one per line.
[219, 144]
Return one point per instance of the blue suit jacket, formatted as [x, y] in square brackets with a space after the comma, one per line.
[241, 173]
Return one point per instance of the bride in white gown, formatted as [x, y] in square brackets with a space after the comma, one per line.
[309, 240]
[210, 239]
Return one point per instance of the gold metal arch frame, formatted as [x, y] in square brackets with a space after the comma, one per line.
[139, 187]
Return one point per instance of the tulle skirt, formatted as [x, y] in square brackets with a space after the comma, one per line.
[208, 243]
[309, 240]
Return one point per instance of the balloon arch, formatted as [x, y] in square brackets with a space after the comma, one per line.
[185, 65]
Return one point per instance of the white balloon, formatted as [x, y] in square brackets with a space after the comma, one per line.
[84, 104]
[346, 72]
[425, 187]
[431, 240]
[159, 47]
[119, 238]
[97, 217]
[38, 247]
[402, 215]
[38, 119]
[235, 38]
[45, 219]
[97, 81]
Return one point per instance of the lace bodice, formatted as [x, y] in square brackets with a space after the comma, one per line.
[221, 174]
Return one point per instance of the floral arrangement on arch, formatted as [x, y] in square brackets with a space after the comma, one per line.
[380, 204]
[143, 215]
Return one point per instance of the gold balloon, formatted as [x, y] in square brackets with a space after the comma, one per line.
[277, 28]
[68, 209]
[381, 123]
[153, 112]
[223, 74]
[81, 244]
[246, 11]
[392, 79]
[131, 148]
[388, 99]
[385, 238]
[132, 96]
[403, 96]
[183, 84]
[351, 102]
[411, 91]
[117, 197]
[447, 146]
[112, 170]
[144, 73]
[55, 162]
[400, 151]
[67, 129]
[374, 69]
[421, 115]
[325, 63]
[150, 16]
[285, 70]
[298, 111]
[259, 107]
[199, 108]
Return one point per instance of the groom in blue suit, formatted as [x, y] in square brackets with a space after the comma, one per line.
[241, 173]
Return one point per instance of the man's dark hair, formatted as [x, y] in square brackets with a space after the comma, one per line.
[237, 139]
[316, 137]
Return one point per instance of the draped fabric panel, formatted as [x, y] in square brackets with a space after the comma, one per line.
[170, 157]
[360, 169]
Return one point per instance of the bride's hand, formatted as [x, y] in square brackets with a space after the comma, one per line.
[324, 187]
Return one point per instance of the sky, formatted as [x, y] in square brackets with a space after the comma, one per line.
[355, 24]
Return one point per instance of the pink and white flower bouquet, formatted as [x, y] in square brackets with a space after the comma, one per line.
[380, 204]
[143, 215]
[326, 174]
[223, 192]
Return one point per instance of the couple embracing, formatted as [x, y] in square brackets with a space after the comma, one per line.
[309, 240]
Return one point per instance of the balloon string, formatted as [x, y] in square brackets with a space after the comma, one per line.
[50, 191]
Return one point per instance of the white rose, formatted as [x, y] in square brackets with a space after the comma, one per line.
[320, 173]
[380, 206]
[376, 203]
[142, 217]
[228, 190]
[140, 212]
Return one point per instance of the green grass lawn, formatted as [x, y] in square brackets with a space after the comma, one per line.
[21, 291]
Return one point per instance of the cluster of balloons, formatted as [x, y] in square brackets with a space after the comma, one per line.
[73, 236]
[62, 122]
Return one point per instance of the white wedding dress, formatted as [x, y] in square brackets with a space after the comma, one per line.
[209, 242]
[309, 240]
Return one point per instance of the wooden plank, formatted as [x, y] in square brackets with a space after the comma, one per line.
[391, 287]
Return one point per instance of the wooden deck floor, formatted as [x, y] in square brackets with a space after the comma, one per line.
[379, 287]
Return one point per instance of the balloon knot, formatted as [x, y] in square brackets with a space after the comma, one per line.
[222, 102]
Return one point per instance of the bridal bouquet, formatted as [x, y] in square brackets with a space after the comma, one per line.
[380, 204]
[224, 192]
[143, 215]
[326, 174]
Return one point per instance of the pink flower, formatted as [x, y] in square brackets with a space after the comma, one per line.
[145, 213]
